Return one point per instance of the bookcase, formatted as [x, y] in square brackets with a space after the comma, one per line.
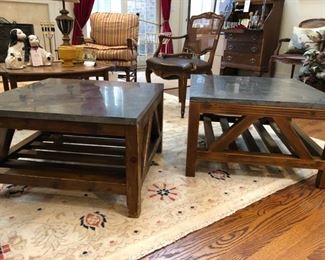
[249, 49]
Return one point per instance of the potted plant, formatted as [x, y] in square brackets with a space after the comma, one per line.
[313, 70]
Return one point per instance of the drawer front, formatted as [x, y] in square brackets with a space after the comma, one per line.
[242, 58]
[247, 36]
[243, 47]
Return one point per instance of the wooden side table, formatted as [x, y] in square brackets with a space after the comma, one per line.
[56, 70]
[236, 103]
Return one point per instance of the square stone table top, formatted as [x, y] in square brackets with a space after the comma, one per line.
[81, 101]
[255, 91]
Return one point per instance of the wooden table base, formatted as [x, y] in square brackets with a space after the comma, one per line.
[304, 152]
[82, 162]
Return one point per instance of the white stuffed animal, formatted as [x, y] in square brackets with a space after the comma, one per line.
[15, 57]
[37, 55]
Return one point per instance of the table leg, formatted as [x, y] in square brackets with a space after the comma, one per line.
[105, 75]
[160, 109]
[271, 67]
[5, 83]
[5, 141]
[133, 172]
[320, 179]
[182, 85]
[192, 138]
[292, 70]
[13, 83]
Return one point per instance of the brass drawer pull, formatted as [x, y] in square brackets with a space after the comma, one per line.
[254, 37]
[230, 36]
[229, 58]
[254, 49]
[230, 47]
[252, 60]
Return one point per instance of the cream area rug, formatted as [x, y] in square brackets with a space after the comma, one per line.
[41, 223]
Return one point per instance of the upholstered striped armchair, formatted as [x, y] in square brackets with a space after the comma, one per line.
[114, 37]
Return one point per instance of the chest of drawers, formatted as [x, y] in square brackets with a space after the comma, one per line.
[244, 51]
[251, 49]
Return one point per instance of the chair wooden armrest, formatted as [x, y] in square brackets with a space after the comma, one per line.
[89, 40]
[162, 37]
[177, 55]
[132, 44]
[277, 50]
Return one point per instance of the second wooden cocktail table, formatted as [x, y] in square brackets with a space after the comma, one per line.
[252, 108]
[92, 135]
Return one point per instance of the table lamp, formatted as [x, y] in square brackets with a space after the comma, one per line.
[67, 52]
[65, 22]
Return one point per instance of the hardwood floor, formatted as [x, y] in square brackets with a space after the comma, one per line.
[289, 224]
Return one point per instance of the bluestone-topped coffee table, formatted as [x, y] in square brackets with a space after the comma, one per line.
[266, 104]
[92, 135]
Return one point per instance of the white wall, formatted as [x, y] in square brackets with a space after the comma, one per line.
[178, 21]
[294, 12]
[34, 12]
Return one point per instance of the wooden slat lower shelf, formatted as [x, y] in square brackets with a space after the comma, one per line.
[66, 138]
[90, 181]
[54, 155]
[261, 158]
[67, 162]
[110, 150]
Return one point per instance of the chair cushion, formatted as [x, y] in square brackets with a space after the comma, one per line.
[112, 29]
[177, 64]
[304, 39]
[122, 53]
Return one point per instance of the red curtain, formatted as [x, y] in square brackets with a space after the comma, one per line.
[165, 8]
[82, 12]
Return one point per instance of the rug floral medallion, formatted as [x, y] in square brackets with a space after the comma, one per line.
[42, 223]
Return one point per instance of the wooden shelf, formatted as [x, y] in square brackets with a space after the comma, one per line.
[63, 179]
[74, 161]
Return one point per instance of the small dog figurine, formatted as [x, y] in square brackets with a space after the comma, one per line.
[14, 61]
[15, 57]
[35, 54]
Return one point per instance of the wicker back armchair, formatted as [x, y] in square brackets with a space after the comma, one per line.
[201, 38]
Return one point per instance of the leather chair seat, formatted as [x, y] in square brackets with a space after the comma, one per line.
[177, 64]
[122, 53]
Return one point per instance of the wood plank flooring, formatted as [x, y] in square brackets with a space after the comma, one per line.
[289, 224]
